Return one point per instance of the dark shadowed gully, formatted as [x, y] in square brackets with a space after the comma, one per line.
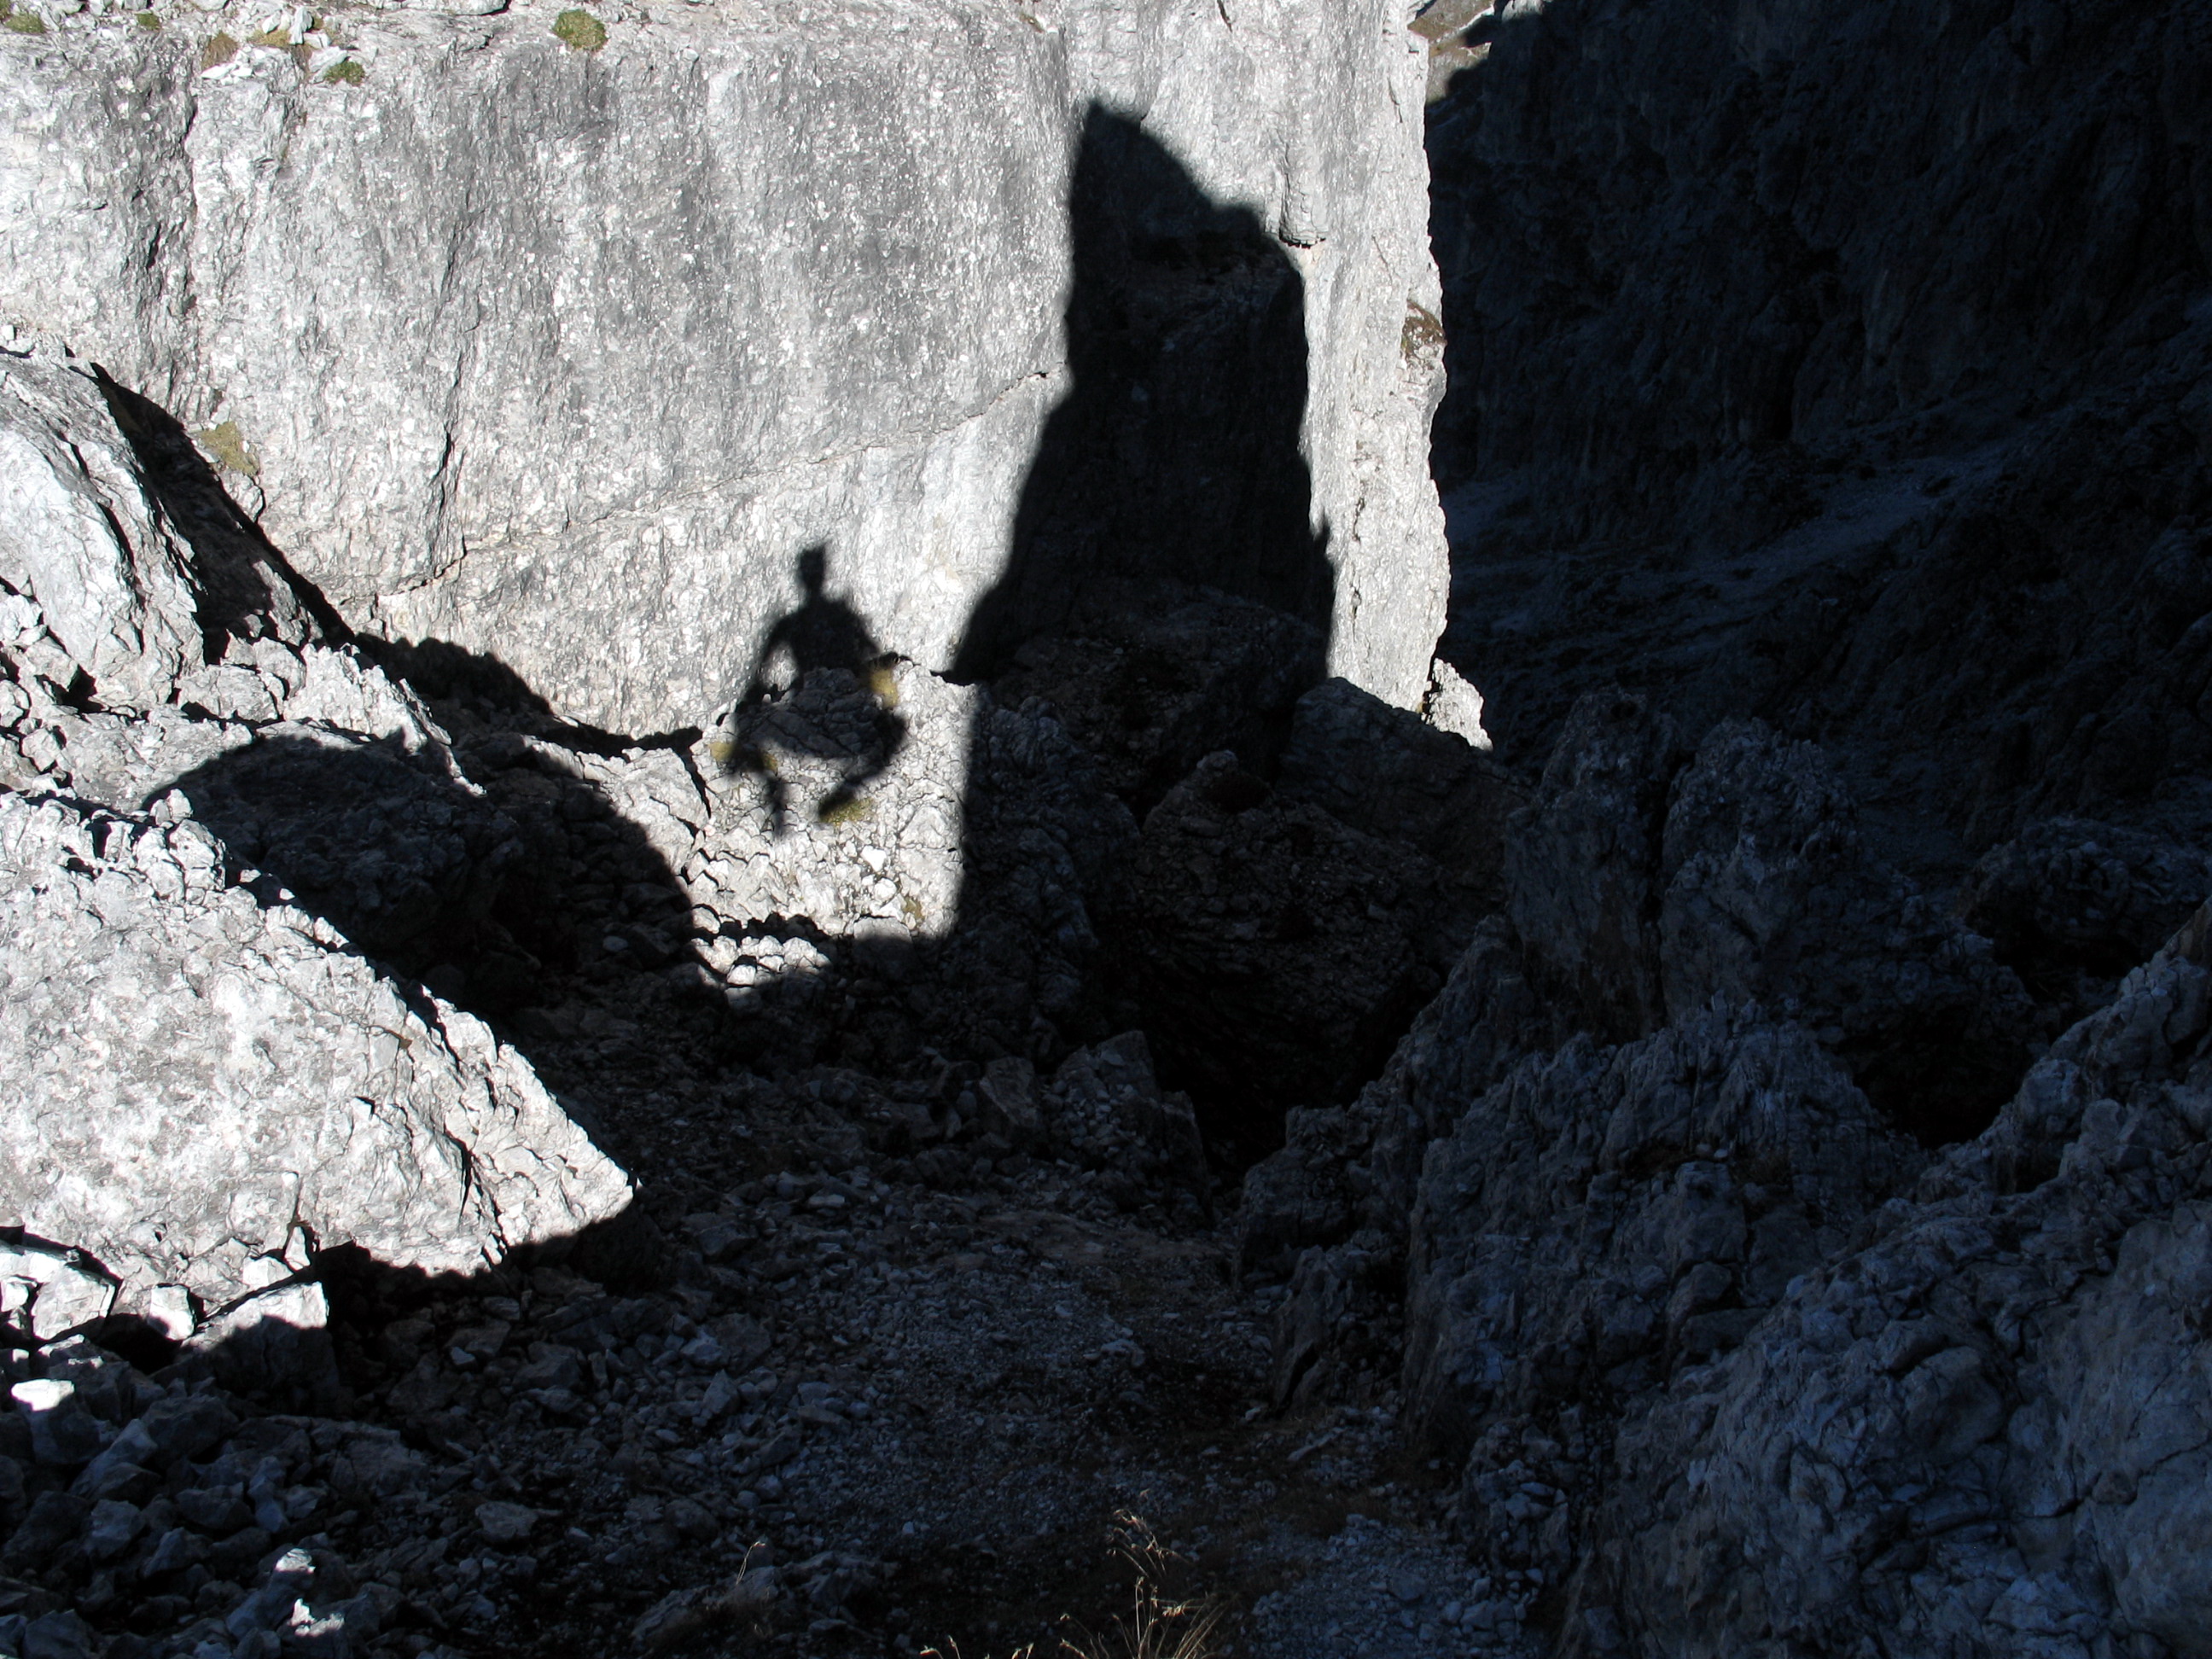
[1725, 1172]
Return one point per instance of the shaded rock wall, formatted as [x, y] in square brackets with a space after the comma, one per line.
[1845, 367]
[1674, 232]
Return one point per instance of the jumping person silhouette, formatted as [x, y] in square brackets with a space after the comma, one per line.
[820, 634]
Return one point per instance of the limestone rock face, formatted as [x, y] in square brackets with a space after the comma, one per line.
[94, 585]
[567, 355]
[1646, 884]
[204, 1089]
[1977, 1416]
[207, 1084]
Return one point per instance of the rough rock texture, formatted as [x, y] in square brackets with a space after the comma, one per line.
[566, 356]
[209, 1084]
[1275, 951]
[1386, 771]
[1729, 1363]
[1646, 884]
[1153, 685]
[1362, 1163]
[1724, 1360]
[2073, 896]
[90, 568]
[208, 1089]
[1982, 1425]
[1601, 1218]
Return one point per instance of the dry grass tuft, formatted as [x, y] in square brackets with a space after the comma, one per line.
[1160, 1625]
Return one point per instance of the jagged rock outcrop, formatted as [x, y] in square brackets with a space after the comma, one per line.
[1601, 1219]
[96, 588]
[565, 353]
[207, 1092]
[1275, 951]
[1615, 1213]
[208, 1085]
[2070, 899]
[1388, 772]
[1724, 1355]
[1645, 884]
[1362, 1163]
[1979, 1427]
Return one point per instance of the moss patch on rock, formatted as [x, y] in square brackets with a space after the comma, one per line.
[347, 73]
[224, 441]
[22, 22]
[220, 49]
[582, 30]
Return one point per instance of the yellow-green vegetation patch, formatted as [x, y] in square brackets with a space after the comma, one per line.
[228, 443]
[220, 49]
[582, 30]
[882, 677]
[348, 72]
[23, 22]
[280, 39]
[149, 22]
[852, 809]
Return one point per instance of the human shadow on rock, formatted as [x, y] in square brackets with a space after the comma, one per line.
[820, 684]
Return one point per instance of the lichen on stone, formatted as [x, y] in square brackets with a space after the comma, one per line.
[149, 22]
[224, 441]
[582, 30]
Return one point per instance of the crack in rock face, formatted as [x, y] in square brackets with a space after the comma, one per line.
[742, 908]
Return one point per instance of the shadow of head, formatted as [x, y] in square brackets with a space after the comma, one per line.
[1177, 455]
[822, 631]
